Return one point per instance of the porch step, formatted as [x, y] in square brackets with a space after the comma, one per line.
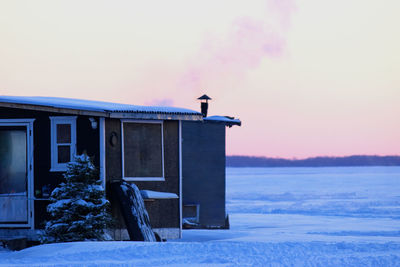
[14, 243]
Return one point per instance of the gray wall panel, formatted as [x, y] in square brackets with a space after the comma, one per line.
[203, 157]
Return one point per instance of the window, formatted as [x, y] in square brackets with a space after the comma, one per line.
[142, 151]
[63, 142]
[191, 212]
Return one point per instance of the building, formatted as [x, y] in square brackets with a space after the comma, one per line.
[139, 144]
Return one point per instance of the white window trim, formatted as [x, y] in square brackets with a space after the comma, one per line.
[131, 179]
[55, 166]
[102, 130]
[180, 180]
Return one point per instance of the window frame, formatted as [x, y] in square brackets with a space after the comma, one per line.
[54, 121]
[128, 178]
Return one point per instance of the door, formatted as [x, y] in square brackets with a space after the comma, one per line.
[15, 174]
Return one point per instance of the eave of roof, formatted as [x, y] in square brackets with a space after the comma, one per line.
[97, 108]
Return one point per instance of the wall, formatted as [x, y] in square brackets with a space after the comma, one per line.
[87, 140]
[203, 160]
[163, 213]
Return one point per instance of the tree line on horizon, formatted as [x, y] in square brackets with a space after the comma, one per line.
[358, 160]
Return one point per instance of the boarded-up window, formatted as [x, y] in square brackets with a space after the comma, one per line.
[143, 150]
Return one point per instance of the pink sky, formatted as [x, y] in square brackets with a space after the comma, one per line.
[307, 78]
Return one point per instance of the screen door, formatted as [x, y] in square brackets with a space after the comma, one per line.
[13, 175]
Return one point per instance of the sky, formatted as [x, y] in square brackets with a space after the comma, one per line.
[307, 77]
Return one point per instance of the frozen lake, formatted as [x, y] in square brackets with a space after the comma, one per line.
[346, 216]
[312, 204]
[340, 204]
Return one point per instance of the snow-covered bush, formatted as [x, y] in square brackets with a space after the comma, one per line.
[79, 209]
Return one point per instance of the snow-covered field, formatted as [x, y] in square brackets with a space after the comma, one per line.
[278, 216]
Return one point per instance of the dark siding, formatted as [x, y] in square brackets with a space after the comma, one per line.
[203, 160]
[87, 140]
[113, 165]
[163, 213]
[113, 151]
[43, 176]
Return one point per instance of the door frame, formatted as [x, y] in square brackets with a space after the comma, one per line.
[28, 123]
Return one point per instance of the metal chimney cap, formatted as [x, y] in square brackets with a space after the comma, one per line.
[204, 97]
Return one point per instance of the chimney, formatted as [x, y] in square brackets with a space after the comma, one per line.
[204, 104]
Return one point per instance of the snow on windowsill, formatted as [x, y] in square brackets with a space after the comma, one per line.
[142, 179]
[23, 194]
[148, 194]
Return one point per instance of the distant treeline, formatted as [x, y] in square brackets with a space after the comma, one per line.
[249, 161]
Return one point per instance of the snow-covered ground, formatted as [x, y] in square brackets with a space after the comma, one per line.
[278, 216]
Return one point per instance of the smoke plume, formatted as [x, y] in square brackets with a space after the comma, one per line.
[228, 58]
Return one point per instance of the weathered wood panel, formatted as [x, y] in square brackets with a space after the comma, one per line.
[142, 150]
[113, 150]
[162, 213]
[166, 213]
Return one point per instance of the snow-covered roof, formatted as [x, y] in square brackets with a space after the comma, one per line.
[107, 108]
[224, 119]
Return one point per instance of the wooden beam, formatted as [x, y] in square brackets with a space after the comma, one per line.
[155, 116]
